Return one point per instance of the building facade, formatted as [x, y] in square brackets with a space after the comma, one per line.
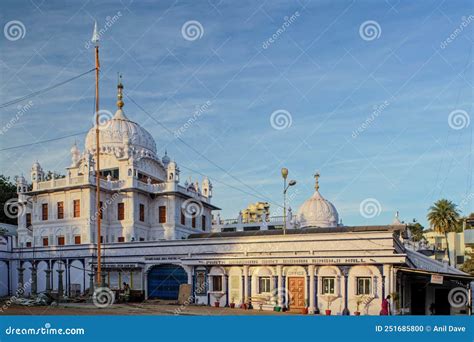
[157, 235]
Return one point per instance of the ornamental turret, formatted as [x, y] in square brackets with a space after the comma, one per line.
[172, 172]
[207, 187]
[37, 173]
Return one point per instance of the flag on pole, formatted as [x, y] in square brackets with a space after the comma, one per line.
[95, 35]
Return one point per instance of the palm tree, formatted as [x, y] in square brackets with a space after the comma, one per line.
[443, 217]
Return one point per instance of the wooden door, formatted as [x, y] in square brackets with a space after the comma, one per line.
[296, 292]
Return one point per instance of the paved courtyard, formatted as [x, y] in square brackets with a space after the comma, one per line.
[145, 308]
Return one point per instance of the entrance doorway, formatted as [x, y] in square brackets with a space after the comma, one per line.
[164, 281]
[418, 299]
[441, 303]
[296, 291]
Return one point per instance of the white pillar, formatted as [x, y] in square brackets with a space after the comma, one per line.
[246, 283]
[280, 292]
[311, 289]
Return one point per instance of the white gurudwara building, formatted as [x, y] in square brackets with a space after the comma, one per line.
[159, 234]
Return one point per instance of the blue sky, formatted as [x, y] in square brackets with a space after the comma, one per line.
[369, 112]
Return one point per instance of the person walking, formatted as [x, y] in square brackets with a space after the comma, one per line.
[385, 306]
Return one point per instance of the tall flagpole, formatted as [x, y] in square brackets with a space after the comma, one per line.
[95, 40]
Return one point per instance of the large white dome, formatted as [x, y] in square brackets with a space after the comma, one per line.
[317, 211]
[118, 132]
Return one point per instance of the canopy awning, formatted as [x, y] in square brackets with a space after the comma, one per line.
[459, 276]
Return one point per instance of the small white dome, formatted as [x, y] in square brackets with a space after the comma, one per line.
[317, 211]
[36, 166]
[119, 132]
[165, 160]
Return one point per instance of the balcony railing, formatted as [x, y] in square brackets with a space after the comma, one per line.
[117, 185]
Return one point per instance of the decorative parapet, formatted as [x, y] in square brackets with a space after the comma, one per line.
[117, 185]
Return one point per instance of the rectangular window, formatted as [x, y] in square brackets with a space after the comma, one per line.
[45, 241]
[77, 208]
[328, 285]
[162, 214]
[120, 211]
[44, 211]
[142, 212]
[101, 211]
[217, 283]
[60, 210]
[193, 222]
[60, 240]
[363, 285]
[264, 284]
[28, 220]
[121, 239]
[203, 222]
[77, 240]
[101, 239]
[183, 219]
[28, 244]
[141, 239]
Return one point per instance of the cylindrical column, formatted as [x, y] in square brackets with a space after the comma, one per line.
[60, 284]
[34, 279]
[91, 283]
[226, 287]
[280, 292]
[21, 287]
[246, 284]
[48, 280]
[311, 289]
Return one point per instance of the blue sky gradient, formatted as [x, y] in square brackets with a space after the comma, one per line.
[319, 69]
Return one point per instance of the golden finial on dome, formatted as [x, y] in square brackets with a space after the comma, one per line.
[120, 103]
[316, 177]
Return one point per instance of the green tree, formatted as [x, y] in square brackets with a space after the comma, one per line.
[7, 192]
[443, 217]
[468, 265]
[416, 230]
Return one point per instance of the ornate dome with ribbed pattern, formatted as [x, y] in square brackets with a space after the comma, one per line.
[317, 211]
[120, 132]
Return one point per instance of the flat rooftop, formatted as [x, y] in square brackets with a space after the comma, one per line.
[309, 230]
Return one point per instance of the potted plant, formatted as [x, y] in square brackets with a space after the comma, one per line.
[304, 311]
[232, 304]
[329, 300]
[358, 302]
[218, 297]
